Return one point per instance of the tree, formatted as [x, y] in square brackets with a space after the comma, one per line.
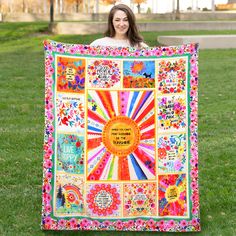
[51, 11]
[97, 6]
[177, 8]
[177, 11]
[139, 2]
[77, 5]
[109, 2]
[63, 200]
[76, 2]
[59, 193]
[23, 5]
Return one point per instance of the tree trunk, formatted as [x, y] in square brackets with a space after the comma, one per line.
[213, 5]
[23, 6]
[84, 6]
[177, 11]
[173, 6]
[138, 6]
[177, 7]
[77, 6]
[11, 7]
[97, 6]
[61, 6]
[89, 6]
[56, 6]
[51, 11]
[45, 8]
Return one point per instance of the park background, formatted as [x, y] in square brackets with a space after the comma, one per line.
[22, 127]
[100, 6]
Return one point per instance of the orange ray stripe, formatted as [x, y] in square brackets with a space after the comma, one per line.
[105, 97]
[123, 168]
[147, 122]
[147, 135]
[93, 143]
[96, 117]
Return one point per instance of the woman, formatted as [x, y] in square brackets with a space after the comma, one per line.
[122, 29]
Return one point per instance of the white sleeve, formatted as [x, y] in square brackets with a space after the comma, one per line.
[100, 42]
[144, 45]
[94, 43]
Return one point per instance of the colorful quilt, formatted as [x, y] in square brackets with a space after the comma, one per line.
[120, 143]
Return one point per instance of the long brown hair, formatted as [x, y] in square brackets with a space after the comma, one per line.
[132, 34]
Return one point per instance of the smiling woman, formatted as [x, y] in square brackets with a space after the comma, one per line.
[122, 30]
[120, 24]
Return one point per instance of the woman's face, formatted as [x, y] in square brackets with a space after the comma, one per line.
[120, 23]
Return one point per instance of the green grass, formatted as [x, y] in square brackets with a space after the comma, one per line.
[22, 124]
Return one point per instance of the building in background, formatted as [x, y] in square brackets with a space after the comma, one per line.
[103, 6]
[160, 6]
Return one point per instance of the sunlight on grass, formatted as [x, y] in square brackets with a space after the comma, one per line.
[22, 124]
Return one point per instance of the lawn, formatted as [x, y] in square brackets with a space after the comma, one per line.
[22, 127]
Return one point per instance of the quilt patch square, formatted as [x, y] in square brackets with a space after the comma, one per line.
[104, 73]
[172, 74]
[172, 195]
[172, 153]
[69, 198]
[172, 113]
[70, 74]
[120, 140]
[139, 74]
[140, 199]
[70, 153]
[104, 200]
[70, 113]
